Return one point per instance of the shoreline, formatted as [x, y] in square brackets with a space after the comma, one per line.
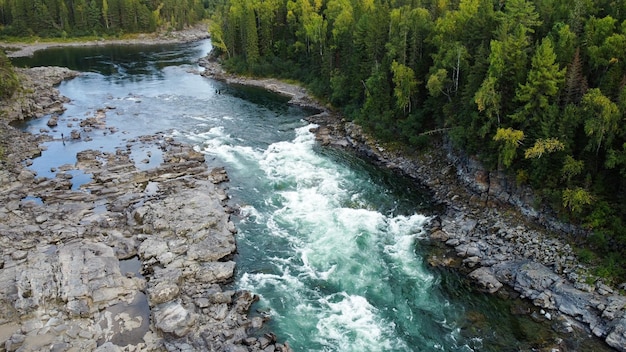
[197, 32]
[494, 237]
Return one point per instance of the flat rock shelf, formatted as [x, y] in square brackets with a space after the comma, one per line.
[116, 254]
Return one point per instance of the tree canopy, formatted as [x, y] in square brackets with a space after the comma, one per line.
[532, 86]
[58, 18]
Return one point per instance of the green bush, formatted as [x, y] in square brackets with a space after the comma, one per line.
[586, 255]
[9, 81]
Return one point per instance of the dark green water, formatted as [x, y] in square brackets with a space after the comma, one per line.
[332, 244]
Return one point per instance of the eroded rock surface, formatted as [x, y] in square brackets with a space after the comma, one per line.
[61, 274]
[65, 282]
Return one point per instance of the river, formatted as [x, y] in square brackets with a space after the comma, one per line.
[332, 245]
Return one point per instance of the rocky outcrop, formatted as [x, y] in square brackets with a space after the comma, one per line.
[496, 188]
[135, 258]
[37, 96]
[65, 281]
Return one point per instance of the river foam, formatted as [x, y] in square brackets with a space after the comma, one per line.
[335, 267]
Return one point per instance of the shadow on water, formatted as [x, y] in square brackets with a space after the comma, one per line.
[504, 322]
[257, 96]
[116, 60]
[406, 196]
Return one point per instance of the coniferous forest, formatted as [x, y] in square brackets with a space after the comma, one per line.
[72, 18]
[533, 87]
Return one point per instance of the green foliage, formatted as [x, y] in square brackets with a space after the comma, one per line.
[543, 146]
[511, 140]
[603, 119]
[56, 18]
[9, 81]
[492, 75]
[404, 85]
[586, 255]
[542, 85]
[571, 168]
[522, 177]
[576, 199]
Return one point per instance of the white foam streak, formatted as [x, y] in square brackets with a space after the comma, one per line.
[405, 231]
[284, 282]
[353, 324]
[250, 213]
[216, 141]
[339, 251]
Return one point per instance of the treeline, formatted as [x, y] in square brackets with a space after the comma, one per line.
[60, 18]
[534, 87]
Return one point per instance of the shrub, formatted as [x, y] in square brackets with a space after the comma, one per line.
[9, 81]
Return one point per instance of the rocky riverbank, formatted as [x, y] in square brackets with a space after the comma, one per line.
[114, 254]
[488, 229]
[501, 243]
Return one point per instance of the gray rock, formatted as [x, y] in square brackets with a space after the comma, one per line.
[486, 280]
[617, 337]
[212, 249]
[53, 121]
[163, 292]
[614, 307]
[173, 318]
[108, 347]
[215, 272]
[152, 248]
[222, 297]
[26, 176]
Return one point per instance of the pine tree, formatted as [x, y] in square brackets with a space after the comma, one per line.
[575, 81]
[542, 85]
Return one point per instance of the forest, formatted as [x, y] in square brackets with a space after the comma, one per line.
[535, 88]
[73, 18]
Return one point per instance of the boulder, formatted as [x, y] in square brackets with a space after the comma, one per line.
[53, 121]
[486, 280]
[163, 292]
[173, 318]
[216, 272]
[617, 336]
